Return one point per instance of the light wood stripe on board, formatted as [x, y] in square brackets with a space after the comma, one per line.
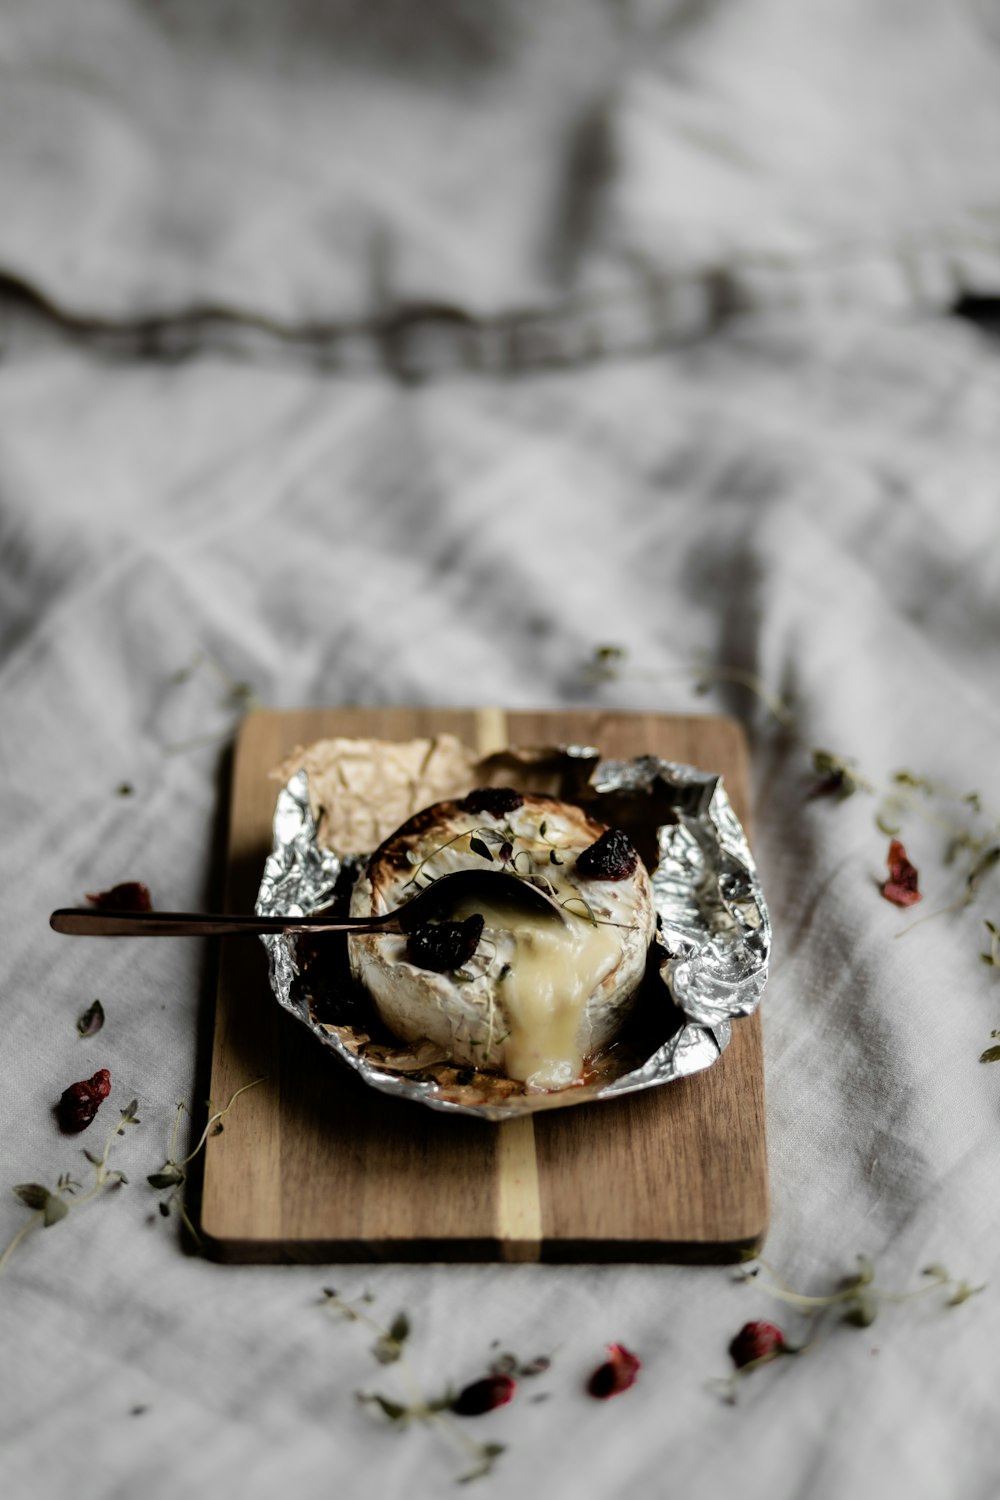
[519, 1209]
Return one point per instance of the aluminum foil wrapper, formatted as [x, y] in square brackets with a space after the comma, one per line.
[715, 932]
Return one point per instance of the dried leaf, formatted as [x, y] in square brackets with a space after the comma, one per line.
[386, 1350]
[54, 1210]
[863, 1311]
[169, 1177]
[32, 1194]
[92, 1020]
[488, 1453]
[962, 1293]
[392, 1409]
[399, 1329]
[866, 1270]
[992, 1054]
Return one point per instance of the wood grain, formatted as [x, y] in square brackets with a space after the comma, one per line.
[314, 1165]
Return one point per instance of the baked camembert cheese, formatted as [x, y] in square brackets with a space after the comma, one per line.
[498, 987]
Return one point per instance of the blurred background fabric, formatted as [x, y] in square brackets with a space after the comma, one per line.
[330, 161]
[384, 353]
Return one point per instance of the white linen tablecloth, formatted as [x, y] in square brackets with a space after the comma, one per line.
[807, 491]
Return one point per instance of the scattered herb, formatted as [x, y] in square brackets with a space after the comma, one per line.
[616, 1374]
[838, 778]
[131, 895]
[857, 1300]
[238, 697]
[475, 1399]
[90, 1023]
[509, 1364]
[124, 789]
[388, 1347]
[478, 838]
[605, 664]
[49, 1206]
[172, 1176]
[992, 1054]
[972, 830]
[78, 1106]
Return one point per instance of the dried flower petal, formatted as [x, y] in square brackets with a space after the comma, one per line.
[756, 1341]
[901, 887]
[616, 1374]
[131, 895]
[79, 1103]
[484, 1395]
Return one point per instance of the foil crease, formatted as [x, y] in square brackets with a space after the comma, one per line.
[715, 931]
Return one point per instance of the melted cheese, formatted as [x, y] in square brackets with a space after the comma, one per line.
[549, 970]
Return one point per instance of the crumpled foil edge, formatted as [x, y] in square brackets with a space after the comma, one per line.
[714, 927]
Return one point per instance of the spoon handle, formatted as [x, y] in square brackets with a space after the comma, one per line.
[84, 922]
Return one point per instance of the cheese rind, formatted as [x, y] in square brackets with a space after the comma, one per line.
[537, 997]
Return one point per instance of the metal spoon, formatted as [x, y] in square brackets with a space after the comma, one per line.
[431, 901]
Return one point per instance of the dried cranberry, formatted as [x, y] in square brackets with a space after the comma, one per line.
[756, 1341]
[81, 1101]
[484, 1395]
[444, 945]
[498, 801]
[616, 1374]
[131, 895]
[611, 857]
[901, 887]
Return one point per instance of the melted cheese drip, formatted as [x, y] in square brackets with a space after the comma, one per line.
[554, 970]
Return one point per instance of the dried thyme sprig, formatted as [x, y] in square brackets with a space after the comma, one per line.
[479, 839]
[857, 1298]
[858, 1293]
[607, 664]
[238, 698]
[52, 1205]
[388, 1348]
[172, 1176]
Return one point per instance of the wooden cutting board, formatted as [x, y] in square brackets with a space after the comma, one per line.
[315, 1165]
